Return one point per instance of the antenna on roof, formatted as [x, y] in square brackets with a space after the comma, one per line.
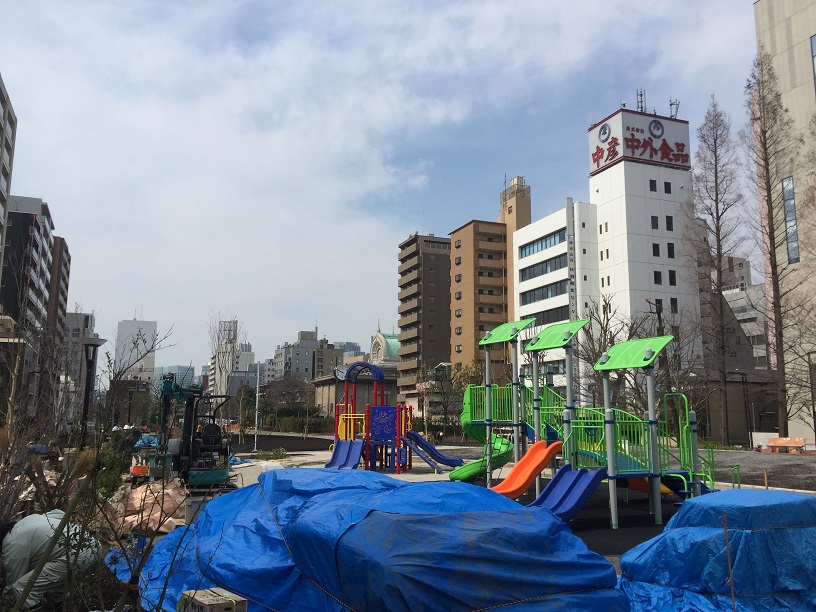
[641, 100]
[674, 107]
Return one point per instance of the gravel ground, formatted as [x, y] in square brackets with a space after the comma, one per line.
[784, 471]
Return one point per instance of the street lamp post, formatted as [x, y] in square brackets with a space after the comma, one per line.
[257, 402]
[90, 347]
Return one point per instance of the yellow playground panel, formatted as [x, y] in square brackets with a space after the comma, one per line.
[350, 426]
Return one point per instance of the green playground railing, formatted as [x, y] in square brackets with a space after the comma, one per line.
[588, 438]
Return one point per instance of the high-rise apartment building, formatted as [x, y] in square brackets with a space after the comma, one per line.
[787, 32]
[58, 290]
[8, 133]
[29, 252]
[133, 357]
[424, 309]
[481, 290]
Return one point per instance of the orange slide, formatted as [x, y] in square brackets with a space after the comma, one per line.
[525, 471]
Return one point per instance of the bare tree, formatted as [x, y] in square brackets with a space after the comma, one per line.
[717, 197]
[773, 148]
[129, 353]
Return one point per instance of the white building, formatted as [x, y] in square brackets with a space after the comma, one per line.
[629, 245]
[133, 339]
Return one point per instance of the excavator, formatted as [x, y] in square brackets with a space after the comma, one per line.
[201, 455]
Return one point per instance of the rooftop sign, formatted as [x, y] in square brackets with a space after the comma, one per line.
[635, 136]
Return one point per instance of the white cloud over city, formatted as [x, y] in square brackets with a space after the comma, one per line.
[266, 158]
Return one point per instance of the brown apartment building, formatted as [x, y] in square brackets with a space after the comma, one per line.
[481, 283]
[424, 309]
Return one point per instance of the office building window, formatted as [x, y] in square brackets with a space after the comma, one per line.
[670, 250]
[601, 254]
[600, 229]
[544, 293]
[658, 305]
[457, 295]
[672, 278]
[550, 240]
[458, 348]
[457, 260]
[457, 244]
[669, 223]
[606, 226]
[602, 282]
[667, 187]
[652, 185]
[458, 331]
[654, 223]
[552, 316]
[458, 312]
[607, 253]
[543, 267]
[658, 277]
[791, 231]
[655, 249]
[608, 282]
[457, 278]
[673, 305]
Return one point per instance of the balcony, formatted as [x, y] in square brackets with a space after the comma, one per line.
[408, 292]
[411, 263]
[408, 306]
[408, 349]
[485, 298]
[411, 249]
[491, 264]
[410, 277]
[410, 364]
[408, 334]
[490, 281]
[492, 247]
[408, 321]
[407, 381]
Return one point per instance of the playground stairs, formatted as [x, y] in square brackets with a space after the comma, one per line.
[419, 452]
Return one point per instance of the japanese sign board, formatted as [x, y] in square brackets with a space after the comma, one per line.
[635, 136]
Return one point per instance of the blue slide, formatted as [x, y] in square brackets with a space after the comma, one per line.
[569, 490]
[416, 438]
[346, 455]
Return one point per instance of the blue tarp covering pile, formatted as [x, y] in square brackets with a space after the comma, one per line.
[772, 538]
[316, 539]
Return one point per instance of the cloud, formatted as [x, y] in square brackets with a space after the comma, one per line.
[267, 158]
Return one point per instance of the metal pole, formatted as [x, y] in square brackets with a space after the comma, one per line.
[695, 457]
[569, 400]
[516, 417]
[536, 413]
[257, 403]
[609, 436]
[654, 457]
[488, 419]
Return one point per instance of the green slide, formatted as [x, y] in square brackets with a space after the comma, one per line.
[502, 451]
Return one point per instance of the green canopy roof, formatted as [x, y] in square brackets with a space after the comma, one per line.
[556, 335]
[505, 332]
[632, 353]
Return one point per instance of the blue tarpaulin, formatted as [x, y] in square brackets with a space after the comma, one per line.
[772, 539]
[319, 539]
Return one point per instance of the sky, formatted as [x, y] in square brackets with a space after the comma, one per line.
[262, 160]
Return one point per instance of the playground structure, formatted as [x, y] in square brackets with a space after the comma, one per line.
[640, 448]
[380, 435]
